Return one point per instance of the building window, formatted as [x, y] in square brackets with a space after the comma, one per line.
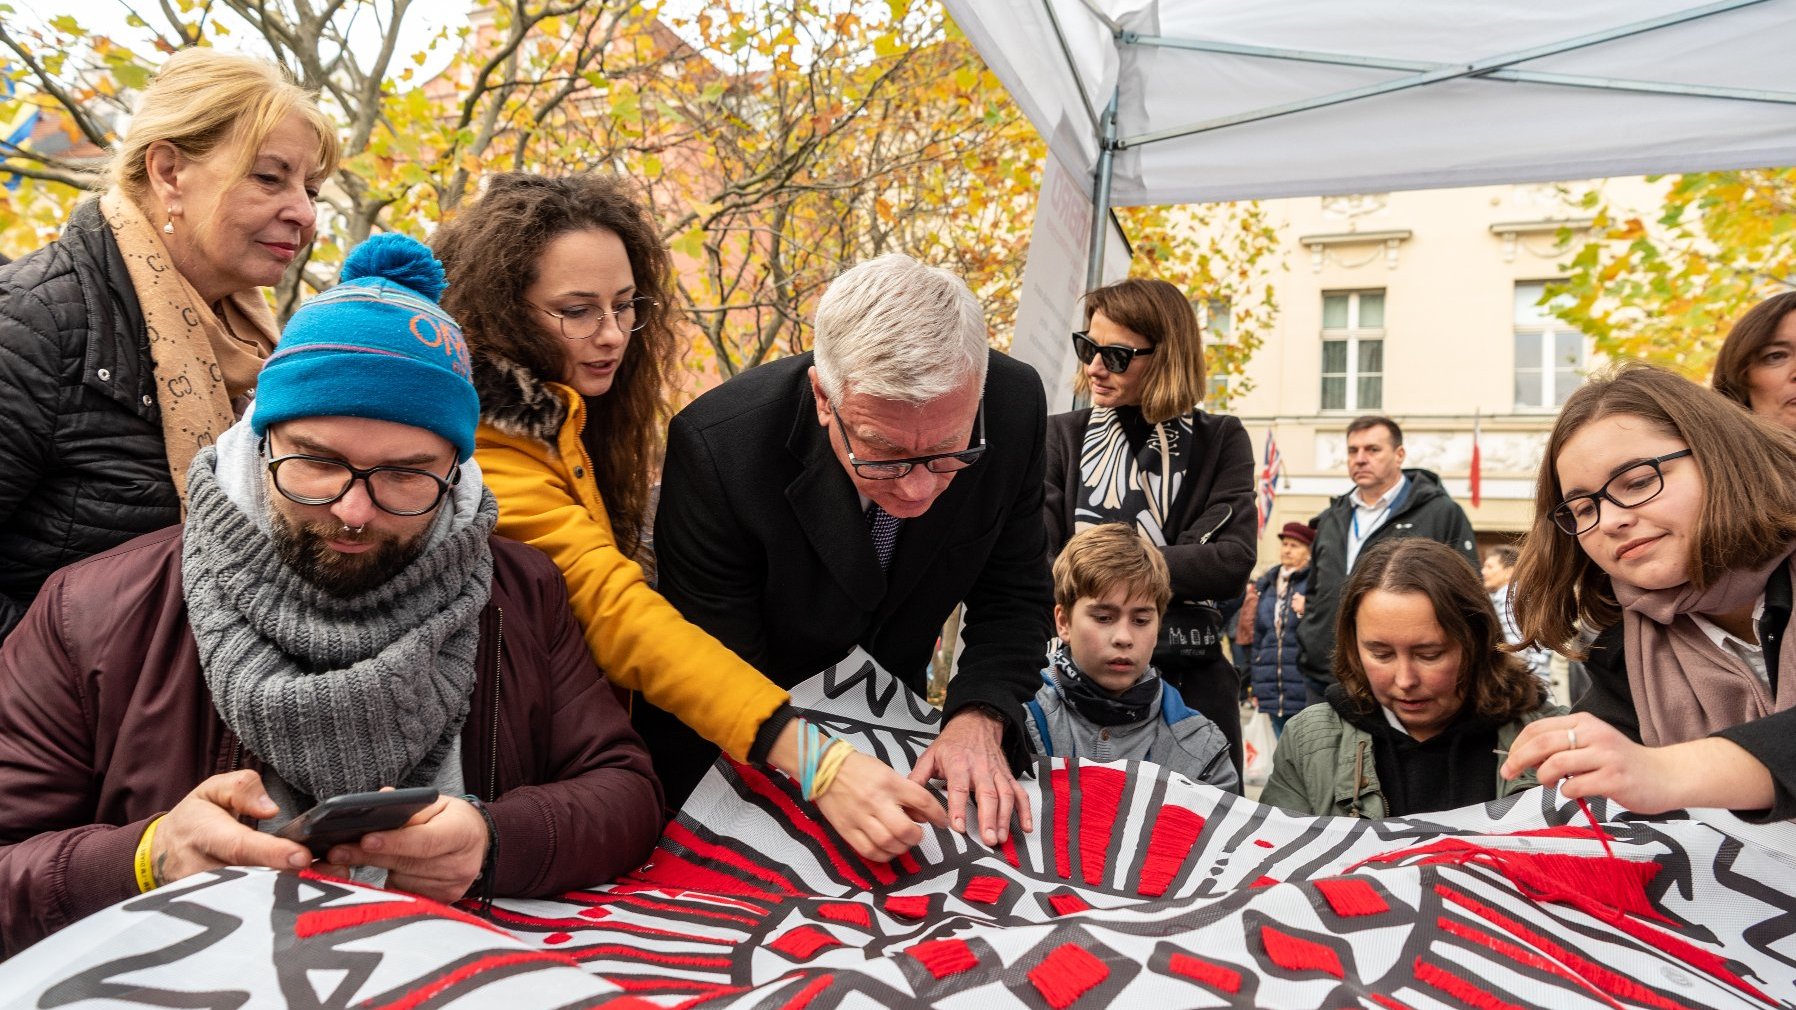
[1549, 355]
[1218, 324]
[1353, 350]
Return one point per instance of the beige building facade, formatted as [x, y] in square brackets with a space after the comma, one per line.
[1421, 306]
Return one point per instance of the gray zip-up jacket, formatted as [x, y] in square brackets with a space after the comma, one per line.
[1175, 736]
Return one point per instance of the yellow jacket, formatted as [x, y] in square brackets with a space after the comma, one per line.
[528, 446]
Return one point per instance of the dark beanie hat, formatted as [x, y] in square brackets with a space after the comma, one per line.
[378, 346]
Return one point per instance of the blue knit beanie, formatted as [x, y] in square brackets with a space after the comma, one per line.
[377, 345]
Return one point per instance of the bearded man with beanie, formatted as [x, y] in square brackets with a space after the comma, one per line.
[334, 616]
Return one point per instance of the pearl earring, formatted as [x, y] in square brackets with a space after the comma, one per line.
[168, 226]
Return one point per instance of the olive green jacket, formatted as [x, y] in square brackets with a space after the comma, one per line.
[1323, 765]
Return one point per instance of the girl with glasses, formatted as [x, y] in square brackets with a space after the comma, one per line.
[1144, 454]
[1665, 522]
[563, 288]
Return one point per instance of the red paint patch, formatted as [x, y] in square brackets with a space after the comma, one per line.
[1293, 953]
[944, 957]
[1175, 832]
[1262, 843]
[804, 942]
[847, 911]
[984, 890]
[1265, 882]
[911, 906]
[1349, 897]
[1100, 797]
[809, 993]
[1068, 973]
[1459, 988]
[1067, 904]
[558, 937]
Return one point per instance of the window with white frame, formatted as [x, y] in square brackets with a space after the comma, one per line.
[1549, 355]
[1218, 323]
[1353, 350]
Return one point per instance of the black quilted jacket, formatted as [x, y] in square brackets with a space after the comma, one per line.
[82, 466]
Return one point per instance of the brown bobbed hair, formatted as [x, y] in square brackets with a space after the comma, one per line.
[1098, 559]
[1159, 312]
[1495, 684]
[489, 251]
[1748, 337]
[1747, 518]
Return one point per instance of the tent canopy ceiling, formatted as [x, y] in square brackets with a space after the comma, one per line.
[1224, 100]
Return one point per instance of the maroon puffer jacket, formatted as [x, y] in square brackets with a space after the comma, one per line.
[105, 722]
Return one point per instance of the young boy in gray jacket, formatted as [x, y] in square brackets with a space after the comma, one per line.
[1100, 698]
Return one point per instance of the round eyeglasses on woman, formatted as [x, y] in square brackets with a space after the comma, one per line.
[578, 322]
[1116, 356]
[1631, 487]
[399, 490]
[935, 462]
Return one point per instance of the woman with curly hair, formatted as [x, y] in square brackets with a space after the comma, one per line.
[563, 288]
[1426, 698]
[1665, 522]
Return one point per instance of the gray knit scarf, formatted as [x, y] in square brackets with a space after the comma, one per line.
[336, 695]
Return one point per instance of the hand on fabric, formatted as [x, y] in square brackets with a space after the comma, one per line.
[203, 832]
[1710, 772]
[969, 755]
[437, 854]
[878, 811]
[1297, 604]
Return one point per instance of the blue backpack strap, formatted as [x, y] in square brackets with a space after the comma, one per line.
[1041, 725]
[1172, 704]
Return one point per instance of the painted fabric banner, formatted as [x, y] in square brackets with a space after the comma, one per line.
[1138, 889]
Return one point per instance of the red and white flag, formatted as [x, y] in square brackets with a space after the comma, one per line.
[1274, 464]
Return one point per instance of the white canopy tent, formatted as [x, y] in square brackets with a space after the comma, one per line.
[1185, 101]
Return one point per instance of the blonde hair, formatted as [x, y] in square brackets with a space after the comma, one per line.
[202, 100]
[1101, 558]
[1174, 384]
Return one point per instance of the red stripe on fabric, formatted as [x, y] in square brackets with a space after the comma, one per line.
[672, 868]
[1175, 832]
[944, 957]
[689, 908]
[432, 989]
[1521, 955]
[628, 953]
[684, 836]
[1588, 883]
[1008, 850]
[1294, 953]
[627, 1003]
[1561, 831]
[1068, 973]
[330, 920]
[847, 911]
[1067, 904]
[1460, 989]
[802, 943]
[1350, 897]
[617, 925]
[1100, 798]
[1216, 976]
[909, 862]
[1601, 977]
[1387, 1002]
[1262, 843]
[1264, 882]
[909, 906]
[558, 937]
[1060, 781]
[808, 993]
[984, 890]
[801, 819]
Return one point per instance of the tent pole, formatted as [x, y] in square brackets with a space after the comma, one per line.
[1100, 197]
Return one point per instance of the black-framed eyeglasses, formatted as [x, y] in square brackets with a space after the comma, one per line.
[400, 490]
[578, 322]
[935, 462]
[1116, 356]
[1631, 488]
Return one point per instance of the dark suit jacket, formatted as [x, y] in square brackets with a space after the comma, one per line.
[761, 541]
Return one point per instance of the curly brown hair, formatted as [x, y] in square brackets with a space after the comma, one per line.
[1497, 685]
[490, 251]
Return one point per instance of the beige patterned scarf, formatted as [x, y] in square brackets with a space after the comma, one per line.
[206, 357]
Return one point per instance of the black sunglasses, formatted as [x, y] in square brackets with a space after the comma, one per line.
[1116, 356]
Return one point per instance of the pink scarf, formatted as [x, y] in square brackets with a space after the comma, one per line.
[1684, 687]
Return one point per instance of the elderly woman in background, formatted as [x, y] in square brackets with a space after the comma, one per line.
[1143, 453]
[1426, 699]
[135, 338]
[1757, 364]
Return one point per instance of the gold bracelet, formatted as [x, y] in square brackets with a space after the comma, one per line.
[141, 863]
[833, 759]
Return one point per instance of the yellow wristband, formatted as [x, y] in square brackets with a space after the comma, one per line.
[832, 762]
[141, 863]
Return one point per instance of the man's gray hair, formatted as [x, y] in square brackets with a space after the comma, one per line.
[895, 329]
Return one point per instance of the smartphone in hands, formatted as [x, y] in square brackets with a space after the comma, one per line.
[344, 819]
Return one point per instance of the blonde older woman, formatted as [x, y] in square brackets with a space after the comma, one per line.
[135, 338]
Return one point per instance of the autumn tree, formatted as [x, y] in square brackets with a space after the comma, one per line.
[1666, 290]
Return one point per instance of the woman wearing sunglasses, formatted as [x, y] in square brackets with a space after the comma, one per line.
[1144, 454]
[1666, 515]
[562, 286]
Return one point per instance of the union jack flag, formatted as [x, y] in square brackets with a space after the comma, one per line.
[1269, 473]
